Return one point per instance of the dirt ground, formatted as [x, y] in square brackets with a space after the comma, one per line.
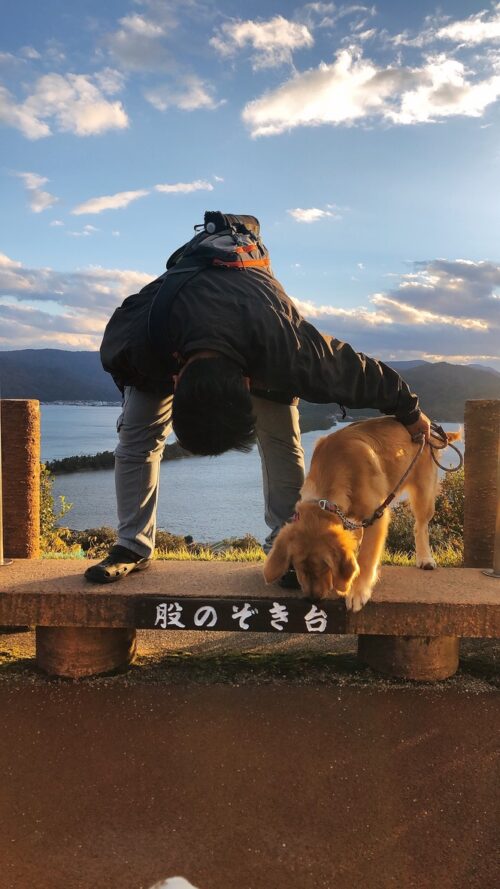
[241, 764]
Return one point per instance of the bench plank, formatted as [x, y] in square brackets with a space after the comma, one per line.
[52, 592]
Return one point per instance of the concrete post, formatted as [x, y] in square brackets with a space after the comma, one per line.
[482, 442]
[75, 652]
[423, 658]
[21, 478]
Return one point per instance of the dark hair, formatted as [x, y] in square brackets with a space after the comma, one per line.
[212, 409]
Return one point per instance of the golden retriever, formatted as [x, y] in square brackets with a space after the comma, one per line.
[354, 469]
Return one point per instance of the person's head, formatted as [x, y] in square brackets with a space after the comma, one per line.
[212, 408]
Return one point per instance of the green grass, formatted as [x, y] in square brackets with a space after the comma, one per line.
[446, 557]
[73, 554]
[206, 555]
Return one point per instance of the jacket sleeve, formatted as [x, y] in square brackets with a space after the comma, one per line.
[357, 381]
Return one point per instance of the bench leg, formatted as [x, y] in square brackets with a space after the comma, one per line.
[425, 658]
[83, 651]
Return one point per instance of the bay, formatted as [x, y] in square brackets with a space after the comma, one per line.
[208, 497]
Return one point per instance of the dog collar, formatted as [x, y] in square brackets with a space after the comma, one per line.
[347, 523]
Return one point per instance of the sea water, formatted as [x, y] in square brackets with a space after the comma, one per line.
[207, 497]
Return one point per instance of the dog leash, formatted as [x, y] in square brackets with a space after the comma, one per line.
[439, 431]
[351, 525]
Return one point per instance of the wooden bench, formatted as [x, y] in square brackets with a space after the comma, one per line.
[410, 629]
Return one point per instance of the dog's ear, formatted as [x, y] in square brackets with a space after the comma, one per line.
[278, 559]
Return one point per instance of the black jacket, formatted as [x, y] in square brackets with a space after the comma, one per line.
[247, 316]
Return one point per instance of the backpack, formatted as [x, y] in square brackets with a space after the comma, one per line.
[224, 241]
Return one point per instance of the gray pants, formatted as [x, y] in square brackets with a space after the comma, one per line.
[143, 426]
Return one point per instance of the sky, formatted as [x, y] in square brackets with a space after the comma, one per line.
[364, 138]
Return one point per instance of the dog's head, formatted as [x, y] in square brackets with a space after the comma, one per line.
[322, 552]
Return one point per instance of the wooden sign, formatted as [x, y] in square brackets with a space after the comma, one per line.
[238, 615]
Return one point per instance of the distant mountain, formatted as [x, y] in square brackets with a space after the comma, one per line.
[444, 388]
[402, 366]
[55, 375]
[485, 367]
[59, 375]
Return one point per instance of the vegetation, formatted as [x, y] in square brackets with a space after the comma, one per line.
[52, 537]
[106, 460]
[446, 533]
[445, 530]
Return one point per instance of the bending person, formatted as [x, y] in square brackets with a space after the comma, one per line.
[221, 354]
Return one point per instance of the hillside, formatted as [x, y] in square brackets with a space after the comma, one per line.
[55, 375]
[58, 375]
[444, 388]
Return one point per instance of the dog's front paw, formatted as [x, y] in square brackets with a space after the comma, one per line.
[427, 563]
[355, 600]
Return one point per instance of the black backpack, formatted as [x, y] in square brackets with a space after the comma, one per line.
[224, 241]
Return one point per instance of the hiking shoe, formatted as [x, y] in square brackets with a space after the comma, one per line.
[119, 562]
[289, 581]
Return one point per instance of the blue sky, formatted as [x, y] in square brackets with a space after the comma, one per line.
[365, 138]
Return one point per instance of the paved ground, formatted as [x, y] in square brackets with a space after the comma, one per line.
[274, 767]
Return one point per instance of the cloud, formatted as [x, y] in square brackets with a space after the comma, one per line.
[273, 41]
[357, 318]
[29, 52]
[20, 117]
[445, 92]
[194, 94]
[141, 27]
[73, 103]
[39, 200]
[109, 202]
[86, 231]
[353, 89]
[185, 187]
[438, 311]
[480, 28]
[110, 81]
[313, 214]
[7, 58]
[474, 30]
[408, 314]
[328, 15]
[44, 307]
[137, 44]
[319, 15]
[124, 198]
[7, 263]
[459, 288]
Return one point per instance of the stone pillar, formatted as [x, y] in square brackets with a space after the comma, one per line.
[482, 437]
[20, 421]
[424, 658]
[76, 652]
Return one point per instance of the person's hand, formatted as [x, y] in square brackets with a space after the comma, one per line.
[422, 426]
